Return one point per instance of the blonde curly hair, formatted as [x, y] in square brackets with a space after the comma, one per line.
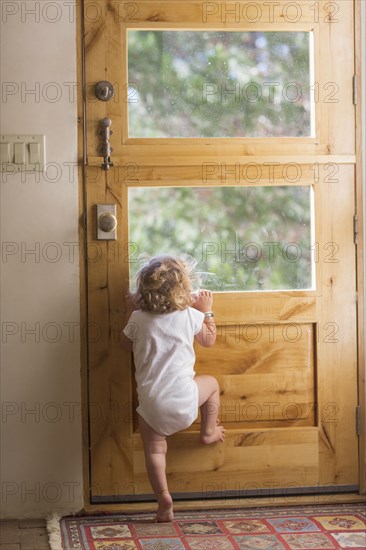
[165, 284]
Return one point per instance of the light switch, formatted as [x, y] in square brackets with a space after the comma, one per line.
[19, 153]
[4, 153]
[26, 153]
[34, 153]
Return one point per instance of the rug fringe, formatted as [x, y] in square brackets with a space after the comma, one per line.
[54, 532]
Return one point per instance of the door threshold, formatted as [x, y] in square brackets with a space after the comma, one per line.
[248, 502]
[236, 494]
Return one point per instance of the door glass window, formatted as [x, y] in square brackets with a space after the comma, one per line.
[243, 238]
[219, 84]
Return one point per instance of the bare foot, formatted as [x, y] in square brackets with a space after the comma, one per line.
[165, 511]
[218, 434]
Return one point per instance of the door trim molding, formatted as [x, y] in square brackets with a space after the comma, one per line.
[360, 52]
[82, 162]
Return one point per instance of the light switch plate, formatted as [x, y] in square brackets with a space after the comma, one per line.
[34, 146]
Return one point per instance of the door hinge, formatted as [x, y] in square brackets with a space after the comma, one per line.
[358, 420]
[355, 89]
[355, 229]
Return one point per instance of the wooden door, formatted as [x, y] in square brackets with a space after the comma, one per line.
[286, 357]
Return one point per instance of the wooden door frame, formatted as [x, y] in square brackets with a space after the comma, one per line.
[360, 258]
[264, 501]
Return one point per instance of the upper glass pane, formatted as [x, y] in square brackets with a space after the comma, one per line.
[219, 84]
[243, 238]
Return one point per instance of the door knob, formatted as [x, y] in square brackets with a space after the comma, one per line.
[106, 222]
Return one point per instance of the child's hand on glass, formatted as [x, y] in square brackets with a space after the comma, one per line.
[203, 300]
[133, 301]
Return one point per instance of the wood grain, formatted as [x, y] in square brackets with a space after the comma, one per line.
[314, 380]
[360, 194]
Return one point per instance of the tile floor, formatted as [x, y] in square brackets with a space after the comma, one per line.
[24, 534]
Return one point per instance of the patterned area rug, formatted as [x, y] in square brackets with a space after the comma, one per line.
[295, 528]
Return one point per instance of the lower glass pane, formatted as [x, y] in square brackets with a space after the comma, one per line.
[243, 238]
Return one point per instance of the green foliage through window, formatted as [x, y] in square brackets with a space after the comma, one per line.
[219, 84]
[243, 238]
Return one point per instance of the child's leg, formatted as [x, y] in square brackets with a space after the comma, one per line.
[209, 401]
[155, 447]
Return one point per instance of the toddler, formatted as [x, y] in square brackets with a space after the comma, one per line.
[162, 321]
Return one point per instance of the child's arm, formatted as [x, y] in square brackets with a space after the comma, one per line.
[207, 335]
[132, 304]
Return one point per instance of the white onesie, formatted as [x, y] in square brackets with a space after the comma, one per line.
[164, 361]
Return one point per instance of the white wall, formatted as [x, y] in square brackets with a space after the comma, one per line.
[363, 27]
[41, 468]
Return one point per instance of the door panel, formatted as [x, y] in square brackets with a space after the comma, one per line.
[252, 373]
[206, 473]
[331, 24]
[285, 358]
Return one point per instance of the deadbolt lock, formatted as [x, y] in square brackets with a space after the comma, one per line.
[104, 90]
